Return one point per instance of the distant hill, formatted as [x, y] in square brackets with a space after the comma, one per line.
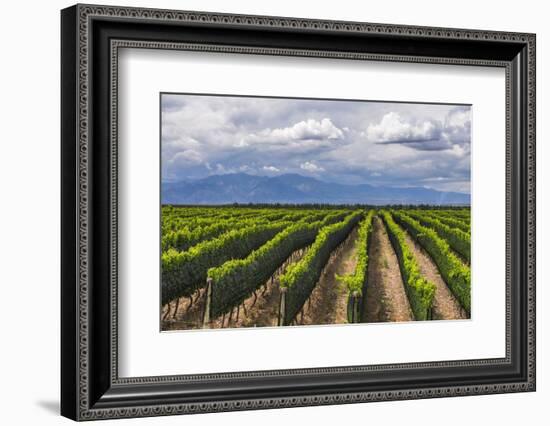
[296, 189]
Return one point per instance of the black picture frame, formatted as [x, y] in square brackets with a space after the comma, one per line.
[90, 386]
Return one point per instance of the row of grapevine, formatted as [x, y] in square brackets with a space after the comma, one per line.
[206, 212]
[185, 272]
[174, 219]
[301, 277]
[182, 226]
[463, 216]
[235, 280]
[185, 238]
[457, 214]
[457, 239]
[356, 281]
[461, 213]
[453, 271]
[191, 218]
[448, 220]
[419, 290]
[234, 251]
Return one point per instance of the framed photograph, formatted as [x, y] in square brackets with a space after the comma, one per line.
[263, 212]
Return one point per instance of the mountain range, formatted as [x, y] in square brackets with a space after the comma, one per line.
[243, 188]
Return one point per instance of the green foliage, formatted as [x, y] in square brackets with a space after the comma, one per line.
[241, 247]
[453, 271]
[185, 272]
[301, 277]
[181, 231]
[464, 213]
[184, 238]
[457, 239]
[235, 280]
[420, 291]
[356, 280]
[450, 219]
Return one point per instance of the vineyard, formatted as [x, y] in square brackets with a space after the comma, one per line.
[257, 266]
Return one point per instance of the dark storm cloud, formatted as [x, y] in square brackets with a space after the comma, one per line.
[429, 144]
[423, 134]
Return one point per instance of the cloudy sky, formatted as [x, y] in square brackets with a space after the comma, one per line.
[380, 143]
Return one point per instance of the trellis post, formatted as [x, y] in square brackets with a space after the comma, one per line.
[206, 316]
[355, 307]
[282, 307]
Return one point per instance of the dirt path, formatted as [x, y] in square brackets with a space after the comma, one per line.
[262, 309]
[259, 310]
[328, 302]
[385, 298]
[445, 306]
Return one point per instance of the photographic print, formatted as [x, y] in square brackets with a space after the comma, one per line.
[295, 212]
[306, 184]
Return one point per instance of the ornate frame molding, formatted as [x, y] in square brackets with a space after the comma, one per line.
[78, 24]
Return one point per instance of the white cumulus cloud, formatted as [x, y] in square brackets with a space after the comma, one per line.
[459, 117]
[304, 130]
[308, 166]
[271, 169]
[452, 132]
[458, 126]
[394, 128]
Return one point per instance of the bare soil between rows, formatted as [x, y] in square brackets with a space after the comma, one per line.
[261, 309]
[445, 306]
[385, 298]
[328, 302]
